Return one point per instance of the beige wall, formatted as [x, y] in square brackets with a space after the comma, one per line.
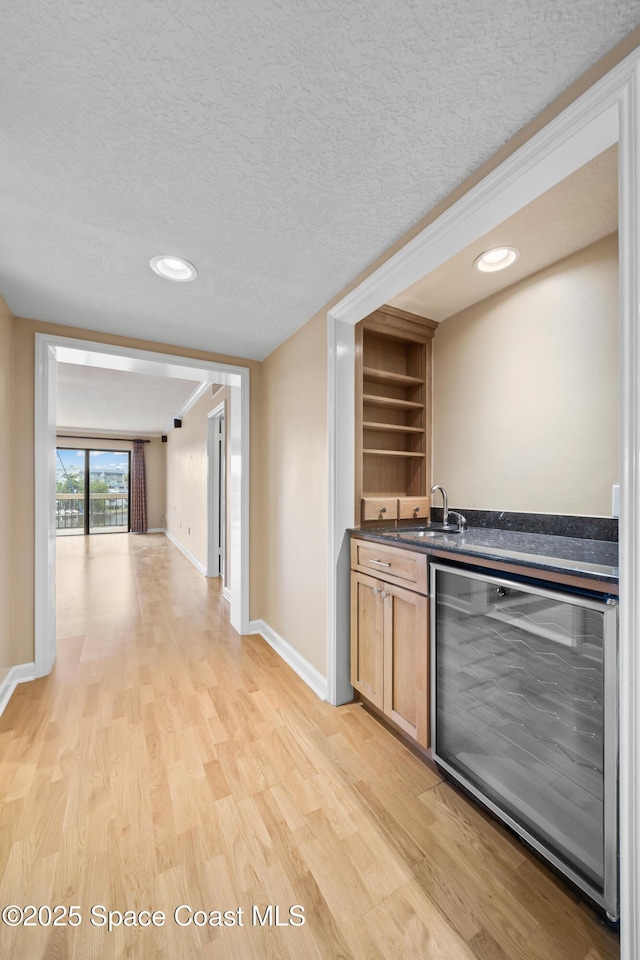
[154, 468]
[525, 392]
[22, 559]
[6, 511]
[187, 468]
[294, 477]
[187, 477]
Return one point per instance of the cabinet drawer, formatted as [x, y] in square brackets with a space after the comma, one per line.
[413, 508]
[379, 508]
[402, 567]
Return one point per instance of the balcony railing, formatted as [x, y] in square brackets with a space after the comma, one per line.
[105, 510]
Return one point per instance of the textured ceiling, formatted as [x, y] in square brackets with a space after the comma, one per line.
[576, 212]
[281, 146]
[92, 398]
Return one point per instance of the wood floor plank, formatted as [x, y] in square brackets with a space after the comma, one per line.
[408, 925]
[167, 761]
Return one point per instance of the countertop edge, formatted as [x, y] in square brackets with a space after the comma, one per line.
[564, 567]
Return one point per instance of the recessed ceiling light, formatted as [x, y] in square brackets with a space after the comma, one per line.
[173, 268]
[496, 259]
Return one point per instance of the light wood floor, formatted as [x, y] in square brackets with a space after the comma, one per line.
[168, 761]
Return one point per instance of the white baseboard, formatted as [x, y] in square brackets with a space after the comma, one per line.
[16, 675]
[156, 530]
[226, 593]
[296, 661]
[200, 567]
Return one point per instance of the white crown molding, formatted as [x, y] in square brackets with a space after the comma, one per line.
[18, 674]
[583, 130]
[193, 397]
[549, 159]
[200, 567]
[313, 679]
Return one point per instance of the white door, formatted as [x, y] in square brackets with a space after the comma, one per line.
[217, 494]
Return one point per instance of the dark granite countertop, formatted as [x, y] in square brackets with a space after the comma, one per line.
[592, 559]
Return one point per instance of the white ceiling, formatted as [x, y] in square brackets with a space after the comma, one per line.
[279, 146]
[113, 401]
[575, 213]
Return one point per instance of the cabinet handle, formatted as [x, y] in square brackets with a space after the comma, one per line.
[376, 591]
[383, 594]
[382, 563]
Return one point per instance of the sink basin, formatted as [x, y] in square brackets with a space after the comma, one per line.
[422, 534]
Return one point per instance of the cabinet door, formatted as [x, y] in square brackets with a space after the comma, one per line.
[367, 637]
[406, 661]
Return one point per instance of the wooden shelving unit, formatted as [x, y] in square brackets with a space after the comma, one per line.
[391, 379]
[391, 403]
[393, 414]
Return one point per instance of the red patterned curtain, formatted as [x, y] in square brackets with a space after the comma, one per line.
[138, 489]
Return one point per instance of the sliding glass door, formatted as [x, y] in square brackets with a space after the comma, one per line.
[108, 491]
[92, 491]
[70, 484]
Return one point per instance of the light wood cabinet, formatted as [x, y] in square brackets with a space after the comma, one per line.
[405, 568]
[390, 641]
[393, 415]
[367, 637]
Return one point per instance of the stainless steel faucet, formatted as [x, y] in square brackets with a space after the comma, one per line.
[445, 503]
[462, 521]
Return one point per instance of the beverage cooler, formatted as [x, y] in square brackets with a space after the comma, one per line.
[524, 714]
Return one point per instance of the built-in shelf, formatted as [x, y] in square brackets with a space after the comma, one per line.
[393, 453]
[393, 412]
[390, 427]
[391, 379]
[391, 402]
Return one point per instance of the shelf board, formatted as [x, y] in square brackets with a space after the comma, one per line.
[390, 427]
[393, 453]
[391, 403]
[391, 379]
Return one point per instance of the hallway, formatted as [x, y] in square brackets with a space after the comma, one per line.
[168, 761]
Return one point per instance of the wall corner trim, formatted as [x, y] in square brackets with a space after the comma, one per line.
[226, 594]
[18, 674]
[200, 567]
[296, 661]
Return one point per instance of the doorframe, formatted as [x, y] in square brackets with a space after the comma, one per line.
[214, 519]
[49, 350]
[608, 112]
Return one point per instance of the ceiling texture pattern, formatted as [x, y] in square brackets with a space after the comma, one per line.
[577, 212]
[280, 146]
[93, 398]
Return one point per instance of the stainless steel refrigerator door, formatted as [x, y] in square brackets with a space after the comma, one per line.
[524, 714]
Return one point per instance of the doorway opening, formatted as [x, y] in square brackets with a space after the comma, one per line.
[92, 491]
[52, 351]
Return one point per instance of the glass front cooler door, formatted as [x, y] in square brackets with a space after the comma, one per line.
[524, 714]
